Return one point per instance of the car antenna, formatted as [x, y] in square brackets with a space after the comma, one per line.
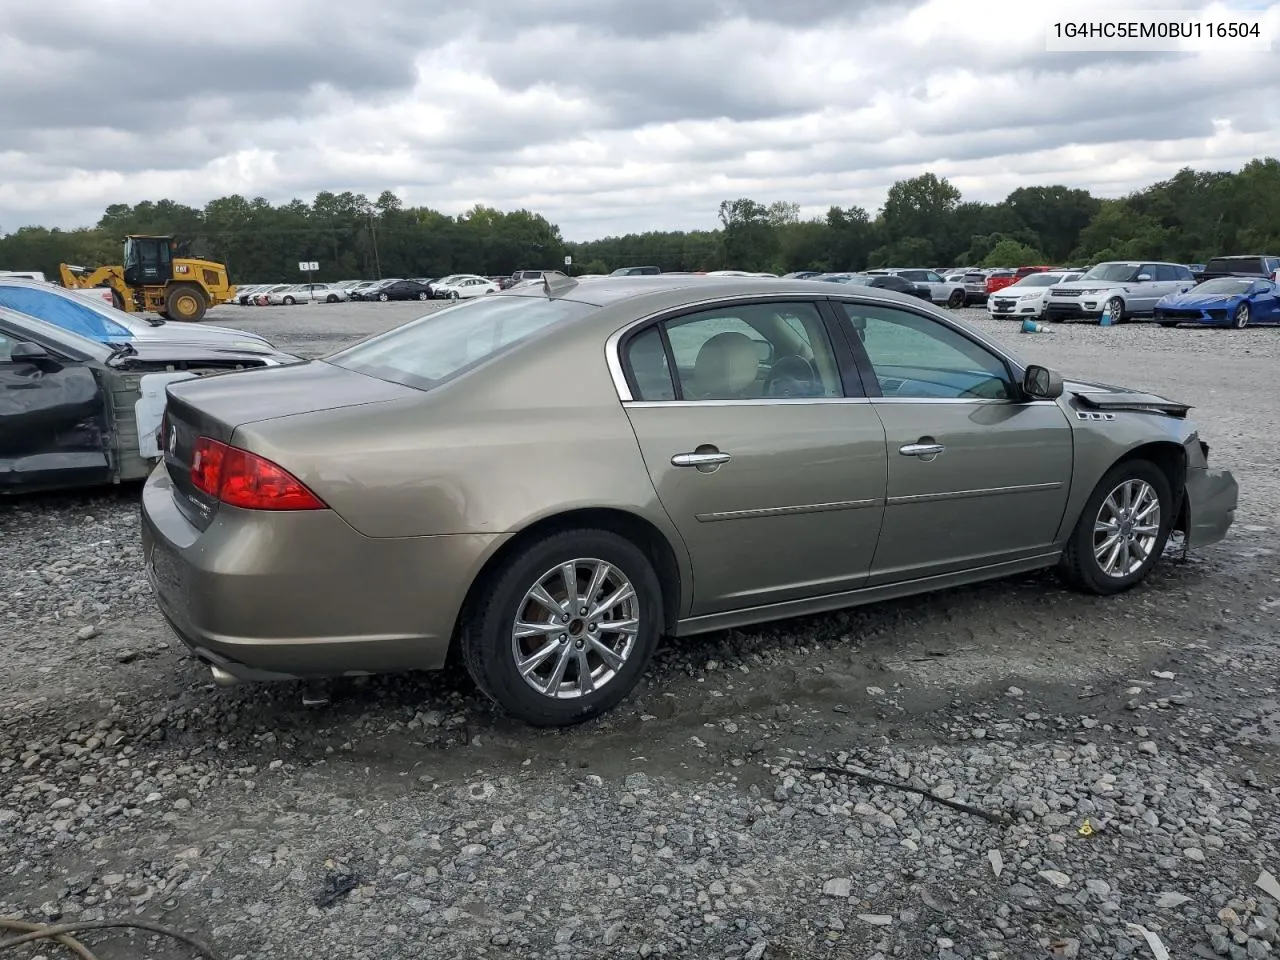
[559, 284]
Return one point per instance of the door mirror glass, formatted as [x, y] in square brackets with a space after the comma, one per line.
[1143, 276]
[1041, 383]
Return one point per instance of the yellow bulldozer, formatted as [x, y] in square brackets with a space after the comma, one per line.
[154, 279]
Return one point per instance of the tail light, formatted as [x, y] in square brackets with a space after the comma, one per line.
[243, 479]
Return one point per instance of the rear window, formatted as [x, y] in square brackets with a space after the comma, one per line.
[442, 345]
[1235, 265]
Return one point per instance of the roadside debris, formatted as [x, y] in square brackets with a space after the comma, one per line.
[865, 777]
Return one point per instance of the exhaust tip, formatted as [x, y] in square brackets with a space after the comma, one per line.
[223, 678]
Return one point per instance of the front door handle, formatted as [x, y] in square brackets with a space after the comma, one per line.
[707, 459]
[922, 450]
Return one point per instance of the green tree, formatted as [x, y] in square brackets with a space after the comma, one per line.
[1012, 253]
[749, 239]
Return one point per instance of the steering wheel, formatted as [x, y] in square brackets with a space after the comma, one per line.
[791, 376]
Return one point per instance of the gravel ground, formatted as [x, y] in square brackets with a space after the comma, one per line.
[1115, 759]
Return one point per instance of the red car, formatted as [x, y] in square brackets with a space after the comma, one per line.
[1007, 278]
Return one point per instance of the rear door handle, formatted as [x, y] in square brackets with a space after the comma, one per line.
[921, 449]
[700, 459]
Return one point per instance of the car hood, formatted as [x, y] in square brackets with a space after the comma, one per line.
[1075, 286]
[1193, 299]
[1088, 395]
[188, 333]
[145, 353]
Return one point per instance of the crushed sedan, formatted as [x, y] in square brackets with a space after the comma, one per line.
[75, 412]
[554, 476]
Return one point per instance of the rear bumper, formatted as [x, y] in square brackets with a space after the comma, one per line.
[301, 594]
[1212, 497]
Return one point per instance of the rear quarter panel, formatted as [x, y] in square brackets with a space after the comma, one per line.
[537, 432]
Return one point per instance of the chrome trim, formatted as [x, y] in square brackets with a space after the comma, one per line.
[972, 400]
[969, 494]
[787, 511]
[921, 449]
[755, 402]
[700, 459]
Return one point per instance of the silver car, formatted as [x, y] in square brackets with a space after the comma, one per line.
[1123, 288]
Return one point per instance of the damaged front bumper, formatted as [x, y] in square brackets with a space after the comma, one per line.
[1209, 505]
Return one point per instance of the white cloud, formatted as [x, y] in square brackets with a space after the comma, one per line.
[602, 119]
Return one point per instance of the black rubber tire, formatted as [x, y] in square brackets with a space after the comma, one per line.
[1166, 323]
[1052, 319]
[485, 637]
[1078, 567]
[177, 297]
[289, 301]
[1116, 316]
[1240, 319]
[383, 297]
[453, 295]
[423, 295]
[956, 300]
[331, 298]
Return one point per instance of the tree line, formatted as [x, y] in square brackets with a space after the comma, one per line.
[924, 222]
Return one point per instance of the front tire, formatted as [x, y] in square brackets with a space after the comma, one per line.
[331, 298]
[422, 295]
[1122, 530]
[1116, 308]
[383, 297]
[528, 645]
[186, 304]
[289, 301]
[1240, 319]
[453, 295]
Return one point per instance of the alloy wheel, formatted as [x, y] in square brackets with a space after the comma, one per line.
[1240, 319]
[575, 628]
[1127, 528]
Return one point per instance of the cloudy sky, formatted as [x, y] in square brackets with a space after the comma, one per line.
[608, 116]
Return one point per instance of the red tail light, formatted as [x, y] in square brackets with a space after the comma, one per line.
[243, 479]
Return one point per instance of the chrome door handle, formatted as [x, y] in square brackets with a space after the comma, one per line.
[699, 459]
[921, 449]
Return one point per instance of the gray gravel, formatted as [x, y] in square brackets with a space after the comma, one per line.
[1126, 747]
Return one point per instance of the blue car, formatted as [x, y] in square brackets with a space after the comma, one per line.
[1222, 302]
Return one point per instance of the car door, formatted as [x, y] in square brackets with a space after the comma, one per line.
[1168, 282]
[1143, 294]
[976, 476]
[939, 289]
[1264, 302]
[53, 420]
[761, 449]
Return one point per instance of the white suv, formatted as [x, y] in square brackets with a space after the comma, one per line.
[1125, 288]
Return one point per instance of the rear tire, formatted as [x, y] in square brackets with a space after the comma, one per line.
[186, 304]
[383, 297]
[423, 295]
[289, 301]
[491, 650]
[1240, 319]
[956, 300]
[331, 298]
[1081, 567]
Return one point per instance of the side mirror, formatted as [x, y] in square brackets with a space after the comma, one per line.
[26, 352]
[1041, 383]
[1143, 276]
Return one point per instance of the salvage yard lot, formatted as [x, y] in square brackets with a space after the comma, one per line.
[406, 818]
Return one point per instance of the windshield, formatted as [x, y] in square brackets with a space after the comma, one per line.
[79, 314]
[1113, 272]
[447, 343]
[1227, 285]
[1038, 280]
[59, 337]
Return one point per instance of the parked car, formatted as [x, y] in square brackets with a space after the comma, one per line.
[1254, 265]
[801, 275]
[998, 280]
[77, 412]
[636, 272]
[939, 290]
[263, 297]
[1028, 296]
[363, 289]
[1236, 302]
[522, 275]
[89, 317]
[306, 293]
[246, 293]
[975, 287]
[704, 501]
[467, 288]
[1126, 289]
[888, 281]
[401, 290]
[437, 286]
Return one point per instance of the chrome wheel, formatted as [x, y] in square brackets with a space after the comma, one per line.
[1241, 318]
[575, 628]
[1127, 528]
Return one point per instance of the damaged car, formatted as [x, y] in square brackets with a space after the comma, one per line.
[555, 476]
[75, 412]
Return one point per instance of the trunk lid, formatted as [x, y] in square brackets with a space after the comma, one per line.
[215, 406]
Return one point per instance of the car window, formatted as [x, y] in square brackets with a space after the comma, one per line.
[63, 312]
[751, 352]
[1148, 270]
[442, 345]
[918, 357]
[6, 348]
[933, 278]
[645, 360]
[1165, 272]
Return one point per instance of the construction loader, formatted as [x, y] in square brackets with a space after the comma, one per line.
[154, 279]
